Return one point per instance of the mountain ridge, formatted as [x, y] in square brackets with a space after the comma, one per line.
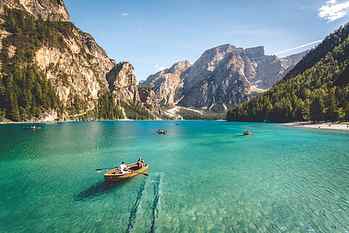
[222, 76]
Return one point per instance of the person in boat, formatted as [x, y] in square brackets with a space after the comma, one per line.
[123, 168]
[247, 132]
[162, 131]
[140, 163]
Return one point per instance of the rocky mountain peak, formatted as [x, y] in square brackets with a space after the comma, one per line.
[168, 83]
[255, 52]
[207, 63]
[53, 10]
[179, 66]
[223, 76]
[217, 53]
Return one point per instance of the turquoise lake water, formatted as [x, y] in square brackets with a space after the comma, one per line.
[204, 177]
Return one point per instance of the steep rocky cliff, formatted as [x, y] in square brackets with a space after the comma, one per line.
[53, 10]
[135, 101]
[123, 83]
[223, 76]
[291, 61]
[226, 76]
[168, 83]
[52, 70]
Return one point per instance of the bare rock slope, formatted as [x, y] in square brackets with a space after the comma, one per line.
[223, 76]
[168, 83]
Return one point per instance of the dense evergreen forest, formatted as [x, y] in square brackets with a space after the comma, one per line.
[317, 89]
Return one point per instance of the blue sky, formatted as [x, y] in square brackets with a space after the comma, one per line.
[153, 34]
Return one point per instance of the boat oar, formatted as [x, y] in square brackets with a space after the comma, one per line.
[107, 168]
[142, 173]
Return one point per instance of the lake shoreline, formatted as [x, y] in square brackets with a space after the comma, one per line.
[52, 122]
[322, 125]
[33, 122]
[121, 120]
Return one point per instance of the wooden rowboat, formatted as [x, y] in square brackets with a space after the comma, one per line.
[114, 175]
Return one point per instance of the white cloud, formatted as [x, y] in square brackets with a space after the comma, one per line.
[124, 14]
[333, 10]
[303, 46]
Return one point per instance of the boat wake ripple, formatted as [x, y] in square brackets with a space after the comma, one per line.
[133, 213]
[155, 204]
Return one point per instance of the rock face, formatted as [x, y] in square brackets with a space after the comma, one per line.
[72, 74]
[123, 83]
[150, 100]
[291, 61]
[168, 83]
[223, 76]
[77, 69]
[53, 10]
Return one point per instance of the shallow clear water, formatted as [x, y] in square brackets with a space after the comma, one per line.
[204, 177]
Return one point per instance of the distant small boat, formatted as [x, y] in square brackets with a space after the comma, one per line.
[161, 132]
[247, 133]
[33, 127]
[114, 175]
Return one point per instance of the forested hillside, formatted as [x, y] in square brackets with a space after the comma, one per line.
[24, 90]
[51, 70]
[316, 89]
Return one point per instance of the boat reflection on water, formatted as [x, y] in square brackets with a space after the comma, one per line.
[98, 189]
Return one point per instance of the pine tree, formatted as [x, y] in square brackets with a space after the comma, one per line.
[346, 111]
[332, 112]
[2, 114]
[317, 109]
[13, 113]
